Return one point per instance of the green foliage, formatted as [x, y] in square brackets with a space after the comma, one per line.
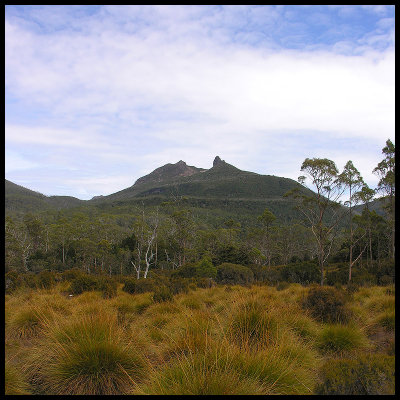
[282, 285]
[135, 286]
[205, 268]
[370, 374]
[71, 274]
[83, 283]
[13, 281]
[179, 285]
[232, 255]
[46, 279]
[304, 272]
[107, 286]
[228, 273]
[161, 294]
[327, 304]
[341, 338]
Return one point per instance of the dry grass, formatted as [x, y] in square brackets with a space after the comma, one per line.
[221, 340]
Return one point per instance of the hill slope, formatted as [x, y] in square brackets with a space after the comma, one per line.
[19, 199]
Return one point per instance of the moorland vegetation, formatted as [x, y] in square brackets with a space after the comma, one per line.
[173, 294]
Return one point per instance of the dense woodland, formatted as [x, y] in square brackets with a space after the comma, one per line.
[327, 242]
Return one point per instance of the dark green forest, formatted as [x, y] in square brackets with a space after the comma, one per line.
[221, 224]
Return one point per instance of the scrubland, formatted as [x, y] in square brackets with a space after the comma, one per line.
[218, 340]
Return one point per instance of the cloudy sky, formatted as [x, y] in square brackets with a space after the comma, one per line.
[98, 96]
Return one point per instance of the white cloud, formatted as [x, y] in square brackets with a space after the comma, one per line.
[151, 94]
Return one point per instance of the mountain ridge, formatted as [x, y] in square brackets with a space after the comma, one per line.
[221, 183]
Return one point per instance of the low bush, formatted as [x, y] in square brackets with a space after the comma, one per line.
[327, 304]
[366, 375]
[13, 281]
[179, 285]
[161, 294]
[83, 283]
[234, 274]
[135, 286]
[304, 272]
[71, 274]
[205, 283]
[46, 279]
[282, 285]
[107, 286]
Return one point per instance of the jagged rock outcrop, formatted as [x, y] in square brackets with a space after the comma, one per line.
[217, 161]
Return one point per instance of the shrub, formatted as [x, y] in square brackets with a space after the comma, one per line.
[327, 304]
[13, 281]
[205, 268]
[135, 286]
[71, 274]
[46, 279]
[367, 374]
[205, 283]
[337, 273]
[162, 294]
[83, 283]
[385, 280]
[305, 272]
[234, 274]
[282, 285]
[107, 286]
[30, 280]
[129, 285]
[179, 285]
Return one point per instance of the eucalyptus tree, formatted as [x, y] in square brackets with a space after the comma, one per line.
[353, 180]
[267, 219]
[145, 230]
[365, 196]
[386, 186]
[321, 210]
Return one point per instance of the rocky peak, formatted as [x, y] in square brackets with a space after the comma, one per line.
[217, 161]
[168, 172]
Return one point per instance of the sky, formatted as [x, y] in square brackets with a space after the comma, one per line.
[98, 96]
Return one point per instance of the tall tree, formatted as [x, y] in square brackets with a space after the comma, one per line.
[365, 196]
[267, 218]
[386, 186]
[353, 180]
[321, 209]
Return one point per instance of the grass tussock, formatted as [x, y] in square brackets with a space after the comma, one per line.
[227, 340]
[87, 356]
[14, 381]
[341, 338]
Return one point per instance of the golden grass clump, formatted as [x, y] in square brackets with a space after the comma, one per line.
[28, 321]
[341, 339]
[87, 355]
[14, 381]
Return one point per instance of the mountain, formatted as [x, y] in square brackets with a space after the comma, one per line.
[218, 193]
[222, 181]
[19, 199]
